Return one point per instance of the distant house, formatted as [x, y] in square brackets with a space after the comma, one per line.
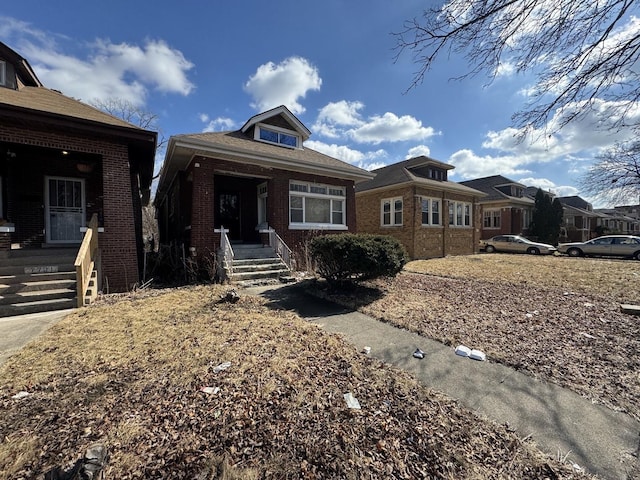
[62, 162]
[414, 201]
[505, 209]
[251, 184]
[624, 219]
[578, 217]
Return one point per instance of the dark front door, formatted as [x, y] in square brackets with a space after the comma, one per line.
[229, 214]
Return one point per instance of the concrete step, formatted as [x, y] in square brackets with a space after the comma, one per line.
[259, 275]
[37, 296]
[39, 260]
[37, 285]
[37, 306]
[36, 277]
[258, 267]
[7, 270]
[44, 252]
[244, 252]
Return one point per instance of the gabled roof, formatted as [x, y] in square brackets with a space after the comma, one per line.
[575, 201]
[237, 146]
[291, 119]
[400, 173]
[489, 185]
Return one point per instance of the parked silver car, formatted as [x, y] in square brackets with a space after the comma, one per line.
[609, 245]
[515, 244]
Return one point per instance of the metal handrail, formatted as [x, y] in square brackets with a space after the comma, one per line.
[86, 261]
[281, 248]
[227, 251]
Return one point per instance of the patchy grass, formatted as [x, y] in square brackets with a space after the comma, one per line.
[129, 373]
[554, 318]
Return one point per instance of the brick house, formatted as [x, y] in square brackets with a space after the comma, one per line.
[579, 219]
[506, 209]
[414, 202]
[256, 179]
[61, 162]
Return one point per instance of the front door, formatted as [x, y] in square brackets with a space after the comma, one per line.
[64, 209]
[229, 214]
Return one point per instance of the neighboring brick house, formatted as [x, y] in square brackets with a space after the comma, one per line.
[250, 180]
[61, 161]
[579, 219]
[623, 219]
[505, 209]
[414, 202]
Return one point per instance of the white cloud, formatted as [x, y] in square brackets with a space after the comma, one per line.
[469, 165]
[334, 116]
[390, 128]
[106, 70]
[366, 160]
[283, 84]
[549, 186]
[418, 151]
[217, 124]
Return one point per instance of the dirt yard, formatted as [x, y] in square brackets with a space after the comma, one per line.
[178, 385]
[555, 318]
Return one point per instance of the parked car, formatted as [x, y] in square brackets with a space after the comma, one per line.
[609, 245]
[515, 244]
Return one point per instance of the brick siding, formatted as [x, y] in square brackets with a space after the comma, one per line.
[109, 190]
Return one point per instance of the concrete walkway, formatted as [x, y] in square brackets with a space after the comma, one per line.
[562, 423]
[16, 332]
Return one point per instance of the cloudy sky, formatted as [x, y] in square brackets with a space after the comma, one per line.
[203, 66]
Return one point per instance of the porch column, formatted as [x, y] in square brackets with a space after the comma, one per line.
[202, 209]
[118, 242]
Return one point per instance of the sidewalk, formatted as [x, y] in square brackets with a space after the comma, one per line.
[561, 422]
[16, 332]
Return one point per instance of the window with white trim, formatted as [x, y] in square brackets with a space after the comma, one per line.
[460, 214]
[491, 218]
[3, 73]
[430, 211]
[314, 205]
[391, 212]
[277, 136]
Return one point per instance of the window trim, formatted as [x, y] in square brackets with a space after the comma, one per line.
[392, 212]
[458, 209]
[280, 131]
[493, 214]
[3, 73]
[430, 212]
[305, 192]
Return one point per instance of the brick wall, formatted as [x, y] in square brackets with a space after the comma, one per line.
[112, 193]
[421, 241]
[203, 200]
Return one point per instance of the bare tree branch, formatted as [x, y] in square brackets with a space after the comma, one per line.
[615, 177]
[581, 51]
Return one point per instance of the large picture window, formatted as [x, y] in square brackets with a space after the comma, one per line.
[430, 211]
[391, 211]
[318, 206]
[460, 214]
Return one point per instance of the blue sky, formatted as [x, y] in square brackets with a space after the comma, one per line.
[212, 65]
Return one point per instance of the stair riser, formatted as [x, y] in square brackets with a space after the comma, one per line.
[258, 275]
[18, 279]
[39, 260]
[37, 287]
[10, 310]
[257, 268]
[35, 269]
[18, 299]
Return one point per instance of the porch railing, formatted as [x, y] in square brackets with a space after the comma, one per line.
[281, 248]
[227, 252]
[86, 263]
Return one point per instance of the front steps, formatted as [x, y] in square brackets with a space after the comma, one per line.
[37, 280]
[257, 264]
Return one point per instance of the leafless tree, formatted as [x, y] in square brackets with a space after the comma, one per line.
[615, 176]
[133, 114]
[582, 52]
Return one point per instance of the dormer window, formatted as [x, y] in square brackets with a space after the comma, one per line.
[3, 73]
[277, 136]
